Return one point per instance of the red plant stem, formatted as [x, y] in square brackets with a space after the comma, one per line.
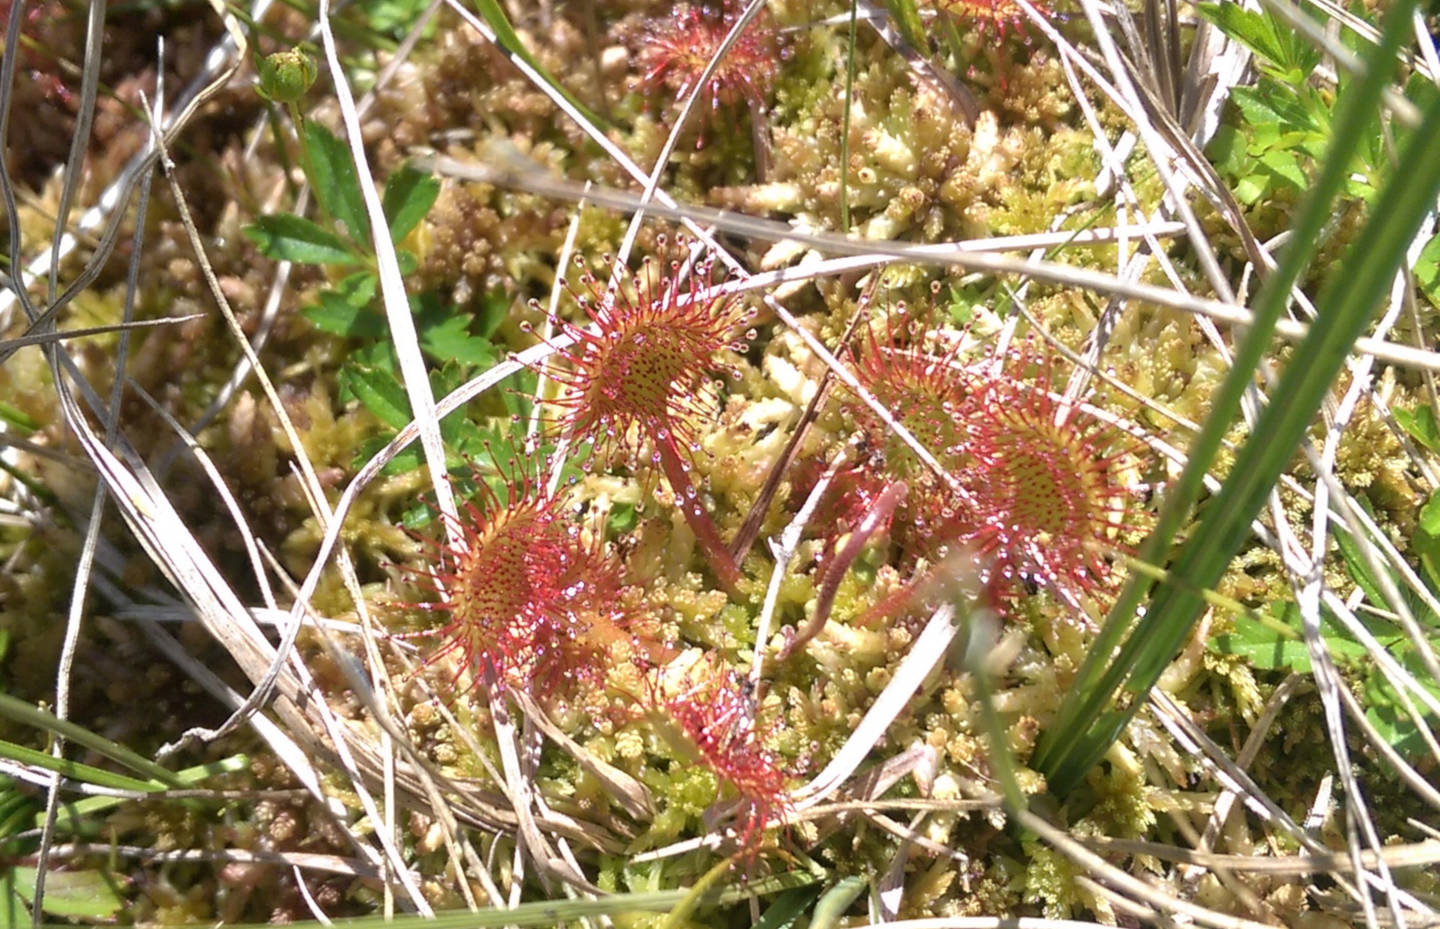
[677, 473]
[956, 575]
[880, 512]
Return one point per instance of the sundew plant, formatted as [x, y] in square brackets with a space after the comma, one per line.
[735, 463]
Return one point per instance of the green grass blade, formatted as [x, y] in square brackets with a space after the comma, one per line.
[21, 712]
[982, 637]
[906, 16]
[837, 901]
[1083, 730]
[74, 816]
[558, 912]
[74, 770]
[1225, 526]
[491, 12]
[788, 908]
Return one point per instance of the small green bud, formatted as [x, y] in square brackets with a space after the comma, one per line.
[285, 76]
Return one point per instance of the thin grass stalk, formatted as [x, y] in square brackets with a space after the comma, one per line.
[860, 253]
[1084, 729]
[508, 40]
[559, 912]
[79, 143]
[393, 297]
[981, 636]
[7, 189]
[845, 123]
[76, 612]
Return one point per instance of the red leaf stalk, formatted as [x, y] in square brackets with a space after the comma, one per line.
[643, 376]
[881, 511]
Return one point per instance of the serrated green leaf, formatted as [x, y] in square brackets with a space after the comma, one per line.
[1430, 515]
[359, 288]
[379, 392]
[287, 237]
[378, 354]
[494, 310]
[1426, 546]
[451, 339]
[1263, 137]
[1227, 150]
[409, 194]
[394, 17]
[1274, 650]
[1283, 52]
[332, 176]
[408, 459]
[1427, 269]
[1396, 728]
[1296, 139]
[418, 516]
[1257, 109]
[1357, 569]
[338, 316]
[1250, 189]
[1288, 105]
[1312, 144]
[1250, 28]
[1385, 712]
[86, 894]
[1285, 166]
[460, 433]
[445, 334]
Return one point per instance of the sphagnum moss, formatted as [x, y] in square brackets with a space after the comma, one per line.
[918, 172]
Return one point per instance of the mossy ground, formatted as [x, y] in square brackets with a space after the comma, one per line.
[917, 171]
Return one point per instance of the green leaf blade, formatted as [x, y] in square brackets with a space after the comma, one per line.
[332, 175]
[88, 894]
[379, 392]
[287, 237]
[409, 195]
